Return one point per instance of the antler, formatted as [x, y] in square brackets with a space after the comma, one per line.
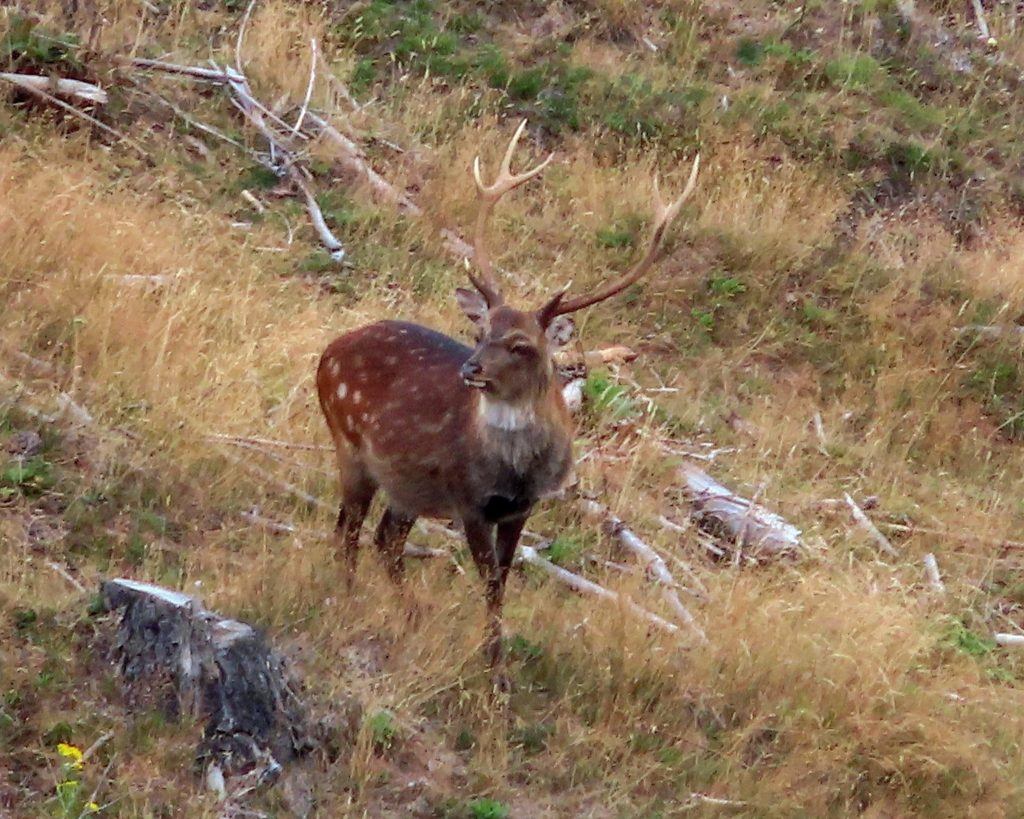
[663, 216]
[489, 196]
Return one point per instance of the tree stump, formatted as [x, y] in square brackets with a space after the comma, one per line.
[175, 655]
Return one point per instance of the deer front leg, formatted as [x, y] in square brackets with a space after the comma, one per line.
[480, 538]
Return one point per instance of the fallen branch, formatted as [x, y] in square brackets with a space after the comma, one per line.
[654, 566]
[1010, 640]
[931, 568]
[46, 95]
[70, 578]
[865, 523]
[284, 162]
[748, 524]
[529, 555]
[266, 442]
[76, 89]
[964, 537]
[982, 23]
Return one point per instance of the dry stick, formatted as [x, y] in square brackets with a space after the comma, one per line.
[865, 523]
[350, 155]
[309, 88]
[653, 564]
[581, 584]
[961, 536]
[268, 442]
[979, 18]
[39, 92]
[283, 485]
[931, 568]
[253, 112]
[1010, 640]
[76, 89]
[527, 554]
[66, 575]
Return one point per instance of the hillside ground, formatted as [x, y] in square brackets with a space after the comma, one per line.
[853, 254]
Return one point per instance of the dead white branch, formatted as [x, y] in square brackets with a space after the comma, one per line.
[865, 523]
[1010, 640]
[931, 568]
[70, 578]
[993, 330]
[309, 88]
[964, 537]
[750, 525]
[266, 442]
[529, 555]
[46, 95]
[982, 23]
[654, 566]
[76, 89]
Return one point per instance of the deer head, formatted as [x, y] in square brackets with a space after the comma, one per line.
[512, 361]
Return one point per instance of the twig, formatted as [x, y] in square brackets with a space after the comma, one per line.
[327, 238]
[269, 442]
[254, 518]
[66, 575]
[979, 18]
[964, 537]
[529, 555]
[1010, 640]
[931, 568]
[39, 92]
[285, 486]
[102, 740]
[309, 88]
[654, 566]
[76, 89]
[865, 523]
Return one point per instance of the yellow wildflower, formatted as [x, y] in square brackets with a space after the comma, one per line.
[92, 807]
[72, 753]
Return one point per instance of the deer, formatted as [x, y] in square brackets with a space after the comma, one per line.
[478, 435]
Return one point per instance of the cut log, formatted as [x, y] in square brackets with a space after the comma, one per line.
[176, 656]
[748, 524]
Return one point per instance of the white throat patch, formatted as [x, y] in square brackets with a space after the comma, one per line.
[508, 417]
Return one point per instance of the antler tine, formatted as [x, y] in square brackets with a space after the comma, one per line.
[663, 216]
[489, 196]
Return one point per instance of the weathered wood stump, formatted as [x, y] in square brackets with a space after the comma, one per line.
[175, 655]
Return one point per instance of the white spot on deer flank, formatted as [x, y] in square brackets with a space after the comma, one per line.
[342, 390]
[334, 367]
[357, 397]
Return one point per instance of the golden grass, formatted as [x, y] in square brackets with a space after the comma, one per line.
[829, 687]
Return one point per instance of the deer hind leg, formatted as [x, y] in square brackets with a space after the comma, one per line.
[390, 539]
[357, 491]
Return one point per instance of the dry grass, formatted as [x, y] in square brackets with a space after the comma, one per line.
[832, 686]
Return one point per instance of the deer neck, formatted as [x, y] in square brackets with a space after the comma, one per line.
[505, 417]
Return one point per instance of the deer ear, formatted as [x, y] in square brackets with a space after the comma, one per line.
[473, 305]
[560, 331]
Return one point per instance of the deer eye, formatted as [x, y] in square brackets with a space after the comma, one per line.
[520, 349]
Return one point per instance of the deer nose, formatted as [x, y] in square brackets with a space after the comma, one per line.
[471, 369]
